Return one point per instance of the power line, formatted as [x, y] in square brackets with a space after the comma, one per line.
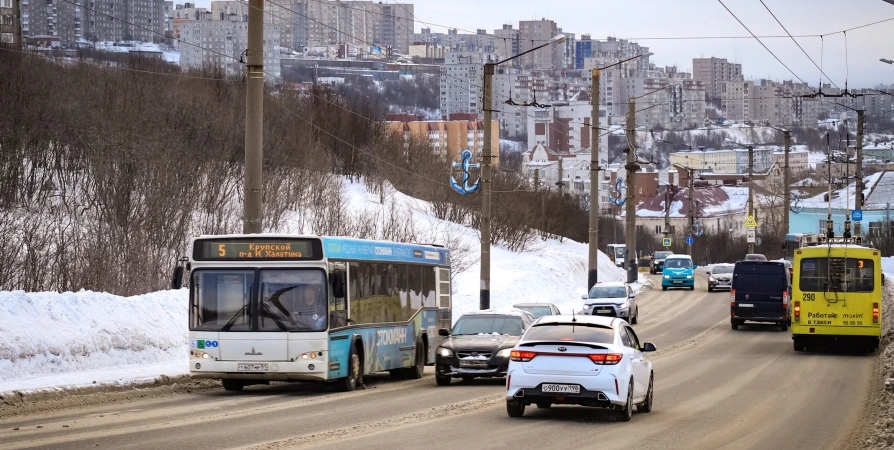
[796, 43]
[762, 43]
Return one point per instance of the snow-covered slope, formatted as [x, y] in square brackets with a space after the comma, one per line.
[51, 340]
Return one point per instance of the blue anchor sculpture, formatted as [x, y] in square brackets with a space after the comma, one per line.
[616, 196]
[795, 206]
[465, 165]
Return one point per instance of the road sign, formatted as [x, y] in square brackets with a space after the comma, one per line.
[749, 234]
[689, 240]
[750, 222]
[857, 214]
[666, 242]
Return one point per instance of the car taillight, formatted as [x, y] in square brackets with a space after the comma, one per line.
[521, 355]
[784, 299]
[797, 311]
[732, 302]
[607, 359]
[875, 313]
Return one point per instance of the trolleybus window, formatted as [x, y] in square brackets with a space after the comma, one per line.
[222, 298]
[837, 275]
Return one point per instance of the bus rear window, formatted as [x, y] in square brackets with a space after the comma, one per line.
[837, 275]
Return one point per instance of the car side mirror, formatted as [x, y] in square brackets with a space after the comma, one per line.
[583, 297]
[632, 295]
[648, 347]
[444, 332]
[708, 272]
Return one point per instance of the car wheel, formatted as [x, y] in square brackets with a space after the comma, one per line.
[349, 383]
[710, 288]
[692, 288]
[442, 380]
[515, 408]
[627, 413]
[646, 405]
[233, 385]
[663, 288]
[635, 318]
[734, 325]
[544, 405]
[783, 326]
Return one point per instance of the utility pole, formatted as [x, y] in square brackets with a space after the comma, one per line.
[751, 190]
[859, 194]
[536, 180]
[593, 260]
[253, 204]
[486, 173]
[786, 180]
[630, 231]
[17, 23]
[691, 206]
[561, 182]
[668, 198]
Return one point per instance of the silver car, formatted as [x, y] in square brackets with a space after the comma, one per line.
[720, 277]
[614, 299]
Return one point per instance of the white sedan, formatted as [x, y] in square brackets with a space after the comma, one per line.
[580, 360]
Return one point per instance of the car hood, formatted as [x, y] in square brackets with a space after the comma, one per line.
[605, 301]
[668, 271]
[480, 342]
[722, 276]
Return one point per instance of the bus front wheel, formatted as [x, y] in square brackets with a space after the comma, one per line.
[349, 383]
[233, 385]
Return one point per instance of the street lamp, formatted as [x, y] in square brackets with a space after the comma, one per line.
[487, 169]
[593, 263]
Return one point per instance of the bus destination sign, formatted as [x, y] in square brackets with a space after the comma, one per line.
[257, 249]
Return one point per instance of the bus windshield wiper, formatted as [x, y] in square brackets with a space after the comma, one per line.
[276, 320]
[238, 314]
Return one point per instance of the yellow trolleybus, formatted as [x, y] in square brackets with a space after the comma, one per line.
[837, 294]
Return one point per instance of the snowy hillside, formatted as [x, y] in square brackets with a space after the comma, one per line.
[51, 340]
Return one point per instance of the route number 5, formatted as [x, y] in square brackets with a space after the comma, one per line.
[221, 250]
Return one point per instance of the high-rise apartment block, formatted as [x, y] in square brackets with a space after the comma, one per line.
[714, 72]
[362, 24]
[221, 43]
[93, 20]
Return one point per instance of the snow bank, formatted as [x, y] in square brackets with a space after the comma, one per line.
[46, 337]
[888, 266]
[52, 340]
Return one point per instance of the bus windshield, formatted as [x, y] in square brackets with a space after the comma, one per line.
[678, 263]
[286, 300]
[837, 275]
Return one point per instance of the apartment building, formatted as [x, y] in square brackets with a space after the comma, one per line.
[735, 99]
[221, 42]
[713, 72]
[185, 13]
[565, 127]
[448, 137]
[168, 12]
[462, 81]
[533, 33]
[7, 22]
[724, 160]
[362, 24]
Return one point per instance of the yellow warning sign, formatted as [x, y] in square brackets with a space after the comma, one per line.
[750, 222]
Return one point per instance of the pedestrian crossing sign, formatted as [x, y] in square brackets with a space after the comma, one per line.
[666, 242]
[750, 222]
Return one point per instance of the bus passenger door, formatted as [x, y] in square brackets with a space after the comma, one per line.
[338, 310]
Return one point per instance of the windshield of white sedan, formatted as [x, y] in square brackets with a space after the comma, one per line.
[271, 300]
[488, 325]
[608, 292]
[567, 332]
[722, 269]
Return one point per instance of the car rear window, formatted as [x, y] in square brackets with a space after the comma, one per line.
[568, 332]
[760, 278]
[537, 311]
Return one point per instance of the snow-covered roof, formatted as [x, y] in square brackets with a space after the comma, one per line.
[840, 198]
[882, 192]
[712, 201]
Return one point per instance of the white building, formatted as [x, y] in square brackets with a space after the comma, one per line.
[222, 42]
[733, 160]
[565, 127]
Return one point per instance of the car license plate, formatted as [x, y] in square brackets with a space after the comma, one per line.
[473, 363]
[603, 311]
[560, 389]
[253, 367]
[678, 282]
[746, 305]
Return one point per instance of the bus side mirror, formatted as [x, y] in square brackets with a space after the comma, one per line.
[337, 280]
[177, 278]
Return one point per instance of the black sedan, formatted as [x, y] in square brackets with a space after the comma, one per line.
[479, 344]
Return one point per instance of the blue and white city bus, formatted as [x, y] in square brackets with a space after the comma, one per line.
[307, 308]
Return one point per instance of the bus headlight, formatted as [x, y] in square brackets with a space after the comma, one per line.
[198, 354]
[309, 355]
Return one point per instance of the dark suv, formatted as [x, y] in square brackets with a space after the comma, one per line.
[760, 293]
[657, 264]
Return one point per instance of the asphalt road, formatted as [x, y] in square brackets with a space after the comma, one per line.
[714, 388]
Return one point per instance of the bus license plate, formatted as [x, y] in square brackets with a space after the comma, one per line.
[254, 367]
[560, 389]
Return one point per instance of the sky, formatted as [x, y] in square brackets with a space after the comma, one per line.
[644, 20]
